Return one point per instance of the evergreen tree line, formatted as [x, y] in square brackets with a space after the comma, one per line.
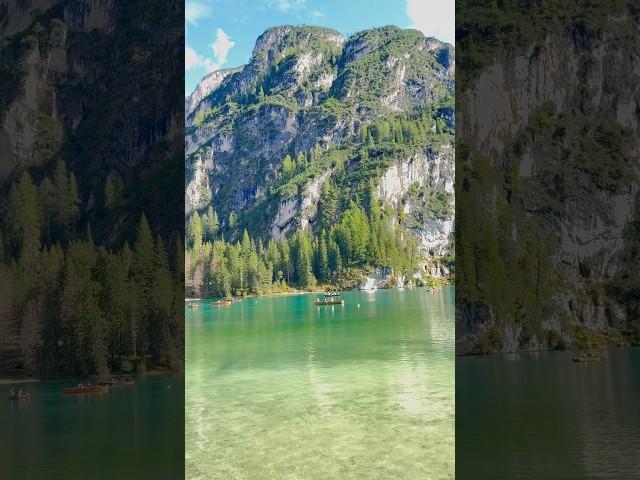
[73, 307]
[365, 235]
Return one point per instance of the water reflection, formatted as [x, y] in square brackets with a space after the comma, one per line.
[58, 436]
[544, 416]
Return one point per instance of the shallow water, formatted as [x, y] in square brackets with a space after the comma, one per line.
[131, 432]
[541, 415]
[277, 388]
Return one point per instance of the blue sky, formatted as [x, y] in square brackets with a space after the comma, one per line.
[222, 33]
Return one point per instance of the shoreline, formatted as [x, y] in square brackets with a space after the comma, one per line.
[321, 291]
[11, 381]
[92, 376]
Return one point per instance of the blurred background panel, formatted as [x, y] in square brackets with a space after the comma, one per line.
[91, 229]
[547, 287]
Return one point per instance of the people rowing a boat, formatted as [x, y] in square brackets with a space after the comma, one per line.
[18, 395]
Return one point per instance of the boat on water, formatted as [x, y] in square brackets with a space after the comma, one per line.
[328, 302]
[118, 381]
[222, 302]
[82, 389]
[332, 294]
[193, 305]
[20, 397]
[123, 382]
[586, 357]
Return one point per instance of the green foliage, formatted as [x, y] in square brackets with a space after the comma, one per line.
[359, 237]
[91, 310]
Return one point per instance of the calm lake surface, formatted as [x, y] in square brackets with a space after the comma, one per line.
[535, 416]
[277, 388]
[131, 432]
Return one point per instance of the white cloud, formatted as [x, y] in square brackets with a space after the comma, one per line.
[435, 18]
[317, 14]
[222, 45]
[194, 11]
[287, 5]
[193, 60]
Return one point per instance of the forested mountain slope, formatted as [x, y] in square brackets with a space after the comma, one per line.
[340, 147]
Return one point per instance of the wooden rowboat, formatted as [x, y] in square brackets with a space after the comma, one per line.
[329, 302]
[221, 302]
[85, 389]
[587, 357]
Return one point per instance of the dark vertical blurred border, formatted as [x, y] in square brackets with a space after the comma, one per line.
[547, 244]
[91, 229]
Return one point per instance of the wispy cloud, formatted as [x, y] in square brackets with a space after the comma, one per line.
[222, 45]
[193, 60]
[317, 14]
[435, 18]
[287, 5]
[194, 11]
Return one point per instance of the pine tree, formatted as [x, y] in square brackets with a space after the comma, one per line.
[194, 232]
[24, 217]
[303, 263]
[323, 258]
[161, 307]
[47, 198]
[210, 225]
[285, 255]
[288, 165]
[328, 205]
[223, 281]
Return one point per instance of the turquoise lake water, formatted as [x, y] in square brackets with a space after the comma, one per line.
[277, 388]
[132, 432]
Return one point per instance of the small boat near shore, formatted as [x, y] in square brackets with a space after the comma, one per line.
[20, 397]
[221, 303]
[587, 357]
[328, 302]
[85, 389]
[118, 381]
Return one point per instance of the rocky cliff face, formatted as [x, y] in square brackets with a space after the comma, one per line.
[548, 136]
[70, 69]
[310, 90]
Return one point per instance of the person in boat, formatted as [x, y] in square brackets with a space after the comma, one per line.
[12, 392]
[20, 392]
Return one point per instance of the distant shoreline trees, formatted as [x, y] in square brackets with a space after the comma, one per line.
[361, 237]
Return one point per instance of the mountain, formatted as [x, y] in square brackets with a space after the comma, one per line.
[547, 190]
[314, 111]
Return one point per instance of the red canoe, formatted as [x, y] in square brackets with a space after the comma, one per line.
[87, 389]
